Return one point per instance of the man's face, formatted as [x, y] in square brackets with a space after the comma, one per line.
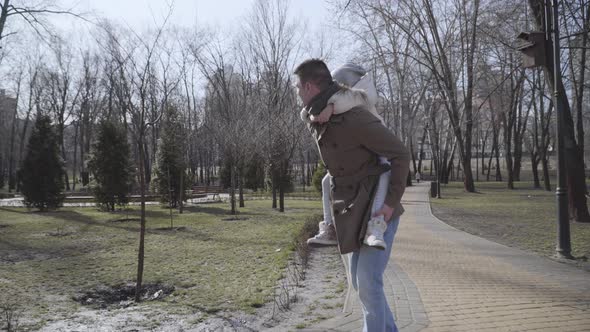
[306, 91]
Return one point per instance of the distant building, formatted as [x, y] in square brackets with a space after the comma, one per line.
[7, 107]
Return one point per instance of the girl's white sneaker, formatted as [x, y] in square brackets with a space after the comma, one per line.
[374, 236]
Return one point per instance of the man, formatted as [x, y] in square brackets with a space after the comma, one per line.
[349, 144]
[363, 93]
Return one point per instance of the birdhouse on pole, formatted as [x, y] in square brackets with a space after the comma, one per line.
[532, 45]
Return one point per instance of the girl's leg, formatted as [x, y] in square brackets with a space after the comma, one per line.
[326, 198]
[381, 192]
[377, 226]
[327, 233]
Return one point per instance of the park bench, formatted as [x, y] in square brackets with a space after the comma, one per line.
[205, 190]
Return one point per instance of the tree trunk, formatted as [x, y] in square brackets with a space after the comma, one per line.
[452, 171]
[490, 162]
[81, 142]
[22, 143]
[281, 194]
[241, 188]
[421, 151]
[3, 17]
[498, 171]
[281, 198]
[232, 187]
[201, 167]
[140, 254]
[544, 123]
[63, 155]
[574, 163]
[147, 166]
[207, 178]
[517, 152]
[447, 163]
[477, 156]
[579, 84]
[483, 153]
[517, 163]
[535, 169]
[309, 169]
[414, 166]
[576, 184]
[535, 139]
[274, 189]
[519, 133]
[468, 175]
[449, 171]
[181, 193]
[465, 150]
[509, 166]
[11, 175]
[409, 177]
[75, 166]
[546, 179]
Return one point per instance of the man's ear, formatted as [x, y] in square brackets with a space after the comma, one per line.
[307, 86]
[311, 87]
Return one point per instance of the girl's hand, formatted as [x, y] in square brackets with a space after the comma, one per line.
[386, 211]
[324, 115]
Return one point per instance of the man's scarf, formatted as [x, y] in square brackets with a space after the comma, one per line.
[320, 101]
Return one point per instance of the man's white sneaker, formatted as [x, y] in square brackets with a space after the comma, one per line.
[325, 237]
[375, 230]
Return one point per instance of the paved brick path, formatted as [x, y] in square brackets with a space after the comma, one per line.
[443, 279]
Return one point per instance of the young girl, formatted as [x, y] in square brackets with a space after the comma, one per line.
[362, 93]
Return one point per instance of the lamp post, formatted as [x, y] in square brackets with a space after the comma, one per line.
[563, 248]
[536, 53]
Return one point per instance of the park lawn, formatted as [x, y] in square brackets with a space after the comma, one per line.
[215, 264]
[525, 218]
[309, 193]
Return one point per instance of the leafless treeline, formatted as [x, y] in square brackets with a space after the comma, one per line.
[235, 95]
[451, 78]
[448, 74]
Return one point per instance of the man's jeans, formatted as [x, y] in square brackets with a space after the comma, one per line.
[366, 271]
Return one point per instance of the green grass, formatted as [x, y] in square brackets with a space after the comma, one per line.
[523, 218]
[214, 264]
[309, 193]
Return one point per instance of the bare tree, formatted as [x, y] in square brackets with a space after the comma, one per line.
[273, 40]
[573, 155]
[226, 116]
[134, 61]
[446, 46]
[540, 131]
[509, 108]
[32, 107]
[576, 24]
[60, 96]
[33, 15]
[91, 103]
[13, 128]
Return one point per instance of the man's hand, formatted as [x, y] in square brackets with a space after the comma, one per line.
[386, 211]
[324, 115]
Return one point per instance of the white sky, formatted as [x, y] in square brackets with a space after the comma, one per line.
[223, 15]
[138, 13]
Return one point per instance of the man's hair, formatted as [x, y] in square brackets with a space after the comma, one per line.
[314, 71]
